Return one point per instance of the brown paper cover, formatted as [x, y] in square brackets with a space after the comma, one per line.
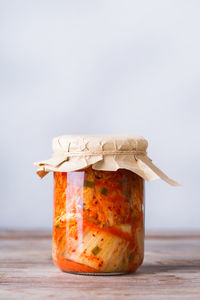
[102, 152]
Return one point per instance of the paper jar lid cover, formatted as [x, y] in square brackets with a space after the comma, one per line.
[102, 152]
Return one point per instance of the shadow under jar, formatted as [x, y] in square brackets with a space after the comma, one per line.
[98, 221]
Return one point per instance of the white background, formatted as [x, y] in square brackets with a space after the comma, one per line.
[100, 67]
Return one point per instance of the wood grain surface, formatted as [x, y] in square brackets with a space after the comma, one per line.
[171, 270]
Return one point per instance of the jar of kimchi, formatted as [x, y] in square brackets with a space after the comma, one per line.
[98, 223]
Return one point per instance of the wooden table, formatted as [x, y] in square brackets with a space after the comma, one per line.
[171, 270]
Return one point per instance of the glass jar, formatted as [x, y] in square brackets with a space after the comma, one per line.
[99, 201]
[98, 221]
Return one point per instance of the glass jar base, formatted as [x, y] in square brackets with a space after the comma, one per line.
[98, 274]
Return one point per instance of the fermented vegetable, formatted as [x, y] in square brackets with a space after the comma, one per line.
[98, 221]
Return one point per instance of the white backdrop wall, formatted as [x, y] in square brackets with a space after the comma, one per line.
[99, 67]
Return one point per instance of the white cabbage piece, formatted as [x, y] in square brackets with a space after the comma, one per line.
[111, 253]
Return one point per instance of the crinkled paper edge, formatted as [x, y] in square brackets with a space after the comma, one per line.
[139, 164]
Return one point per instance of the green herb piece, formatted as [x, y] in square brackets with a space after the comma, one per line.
[96, 250]
[62, 254]
[124, 179]
[127, 193]
[104, 191]
[88, 183]
[131, 256]
[134, 219]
